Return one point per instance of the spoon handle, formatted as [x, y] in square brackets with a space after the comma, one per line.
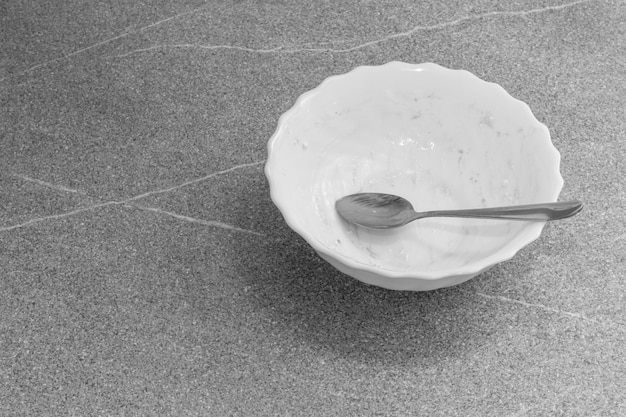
[528, 212]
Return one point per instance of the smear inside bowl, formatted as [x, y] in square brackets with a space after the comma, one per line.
[441, 138]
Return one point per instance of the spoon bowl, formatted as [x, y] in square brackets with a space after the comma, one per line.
[386, 211]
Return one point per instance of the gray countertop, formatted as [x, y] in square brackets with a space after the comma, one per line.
[145, 271]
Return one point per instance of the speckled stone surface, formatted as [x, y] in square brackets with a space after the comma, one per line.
[145, 271]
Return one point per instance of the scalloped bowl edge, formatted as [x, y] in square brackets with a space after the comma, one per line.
[401, 280]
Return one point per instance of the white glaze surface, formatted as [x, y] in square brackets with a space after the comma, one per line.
[440, 138]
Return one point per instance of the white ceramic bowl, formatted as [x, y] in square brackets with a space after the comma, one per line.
[443, 139]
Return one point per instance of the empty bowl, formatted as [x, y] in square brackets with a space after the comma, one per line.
[441, 138]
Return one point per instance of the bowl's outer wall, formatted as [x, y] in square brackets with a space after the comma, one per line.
[414, 281]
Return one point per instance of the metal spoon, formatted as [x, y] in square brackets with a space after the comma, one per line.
[384, 211]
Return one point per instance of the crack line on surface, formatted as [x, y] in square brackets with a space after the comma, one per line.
[286, 49]
[550, 309]
[210, 223]
[167, 19]
[523, 410]
[104, 42]
[194, 181]
[58, 216]
[127, 200]
[49, 185]
[406, 34]
[532, 305]
[454, 23]
[209, 47]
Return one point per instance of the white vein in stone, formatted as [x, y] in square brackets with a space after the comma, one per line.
[167, 19]
[58, 216]
[127, 200]
[206, 47]
[523, 410]
[210, 223]
[287, 49]
[580, 316]
[406, 34]
[49, 185]
[194, 181]
[106, 41]
[617, 239]
[455, 22]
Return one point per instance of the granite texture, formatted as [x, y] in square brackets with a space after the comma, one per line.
[145, 271]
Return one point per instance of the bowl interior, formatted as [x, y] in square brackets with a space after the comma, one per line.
[440, 138]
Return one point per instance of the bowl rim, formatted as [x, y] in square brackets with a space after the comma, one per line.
[527, 235]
